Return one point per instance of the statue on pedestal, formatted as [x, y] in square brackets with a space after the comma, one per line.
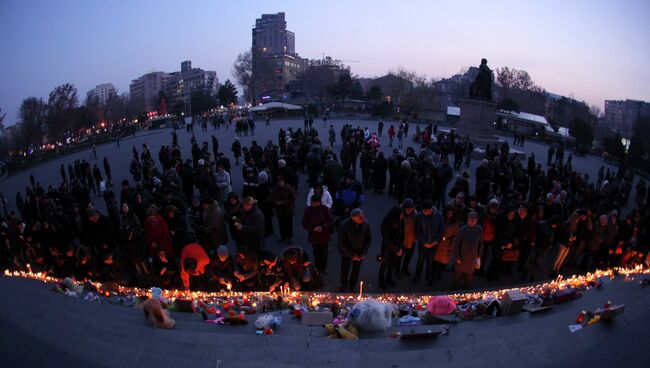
[481, 88]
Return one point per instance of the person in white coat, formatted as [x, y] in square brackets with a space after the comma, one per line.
[326, 197]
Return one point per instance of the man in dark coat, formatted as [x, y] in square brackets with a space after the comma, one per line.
[250, 228]
[394, 163]
[333, 172]
[467, 249]
[213, 228]
[429, 227]
[100, 235]
[283, 199]
[354, 242]
[380, 166]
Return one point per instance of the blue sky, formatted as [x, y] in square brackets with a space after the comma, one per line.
[594, 49]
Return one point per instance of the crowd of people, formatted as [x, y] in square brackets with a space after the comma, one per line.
[171, 222]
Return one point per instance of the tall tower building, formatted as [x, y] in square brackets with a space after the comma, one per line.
[274, 57]
[270, 35]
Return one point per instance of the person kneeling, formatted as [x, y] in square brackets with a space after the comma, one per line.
[247, 277]
[271, 272]
[299, 272]
[194, 259]
[222, 270]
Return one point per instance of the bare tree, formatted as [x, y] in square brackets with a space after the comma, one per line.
[32, 115]
[61, 114]
[243, 73]
[511, 78]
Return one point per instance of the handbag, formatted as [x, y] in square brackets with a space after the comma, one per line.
[509, 255]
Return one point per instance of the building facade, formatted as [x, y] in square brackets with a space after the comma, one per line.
[275, 61]
[144, 91]
[177, 86]
[270, 35]
[622, 115]
[103, 92]
[180, 85]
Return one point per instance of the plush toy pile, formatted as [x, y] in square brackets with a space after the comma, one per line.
[371, 315]
[267, 323]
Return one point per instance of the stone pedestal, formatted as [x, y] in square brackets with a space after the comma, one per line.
[477, 120]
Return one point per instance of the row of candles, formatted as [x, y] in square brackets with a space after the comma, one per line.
[316, 298]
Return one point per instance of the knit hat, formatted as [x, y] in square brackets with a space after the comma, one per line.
[356, 212]
[222, 251]
[427, 204]
[408, 203]
[263, 177]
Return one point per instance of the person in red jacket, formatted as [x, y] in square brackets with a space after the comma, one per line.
[317, 220]
[194, 260]
[156, 234]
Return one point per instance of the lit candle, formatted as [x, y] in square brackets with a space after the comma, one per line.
[360, 289]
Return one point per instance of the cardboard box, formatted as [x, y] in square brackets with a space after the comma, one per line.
[512, 302]
[313, 318]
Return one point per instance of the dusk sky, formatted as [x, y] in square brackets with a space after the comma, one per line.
[595, 50]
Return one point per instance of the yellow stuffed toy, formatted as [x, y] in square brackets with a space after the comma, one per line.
[331, 331]
[342, 331]
[346, 333]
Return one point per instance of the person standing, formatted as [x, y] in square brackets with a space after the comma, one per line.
[544, 238]
[236, 150]
[213, 230]
[107, 171]
[565, 237]
[250, 228]
[445, 248]
[284, 198]
[549, 155]
[97, 175]
[156, 234]
[468, 246]
[391, 135]
[380, 127]
[222, 182]
[332, 135]
[407, 220]
[379, 168]
[391, 247]
[65, 180]
[317, 220]
[429, 227]
[354, 241]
